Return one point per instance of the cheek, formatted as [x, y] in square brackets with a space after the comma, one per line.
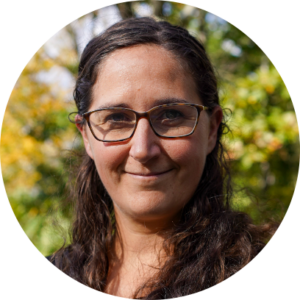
[108, 160]
[189, 154]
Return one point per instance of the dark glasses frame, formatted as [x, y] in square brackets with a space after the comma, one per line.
[146, 115]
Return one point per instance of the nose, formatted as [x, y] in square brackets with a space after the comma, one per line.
[144, 143]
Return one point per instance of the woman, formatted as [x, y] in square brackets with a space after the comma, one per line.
[152, 193]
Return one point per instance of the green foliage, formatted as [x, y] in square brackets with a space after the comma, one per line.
[264, 143]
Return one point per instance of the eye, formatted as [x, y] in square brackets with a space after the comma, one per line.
[117, 117]
[168, 115]
[171, 114]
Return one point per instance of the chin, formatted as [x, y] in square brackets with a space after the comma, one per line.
[146, 207]
[150, 212]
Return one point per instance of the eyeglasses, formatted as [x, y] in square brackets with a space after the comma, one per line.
[115, 124]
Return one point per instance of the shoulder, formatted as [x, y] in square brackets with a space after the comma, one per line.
[52, 262]
[54, 266]
[47, 262]
[59, 283]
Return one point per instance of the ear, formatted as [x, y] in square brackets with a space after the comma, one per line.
[83, 130]
[215, 120]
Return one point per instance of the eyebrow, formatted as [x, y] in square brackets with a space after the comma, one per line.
[156, 103]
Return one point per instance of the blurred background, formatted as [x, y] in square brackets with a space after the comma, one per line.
[263, 145]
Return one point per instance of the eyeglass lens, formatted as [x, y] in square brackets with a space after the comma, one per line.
[118, 124]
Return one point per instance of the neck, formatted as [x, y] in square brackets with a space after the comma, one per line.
[141, 239]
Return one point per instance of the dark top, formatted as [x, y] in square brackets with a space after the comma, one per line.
[64, 285]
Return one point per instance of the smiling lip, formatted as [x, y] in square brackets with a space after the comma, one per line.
[147, 175]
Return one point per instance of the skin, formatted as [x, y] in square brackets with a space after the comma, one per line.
[149, 178]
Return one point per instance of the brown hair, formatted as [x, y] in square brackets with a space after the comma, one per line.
[211, 241]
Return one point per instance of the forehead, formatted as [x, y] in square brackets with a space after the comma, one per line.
[136, 57]
[145, 72]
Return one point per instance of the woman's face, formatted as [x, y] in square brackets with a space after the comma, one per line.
[149, 178]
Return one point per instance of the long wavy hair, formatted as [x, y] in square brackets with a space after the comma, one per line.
[211, 242]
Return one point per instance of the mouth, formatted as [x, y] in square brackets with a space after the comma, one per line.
[149, 174]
